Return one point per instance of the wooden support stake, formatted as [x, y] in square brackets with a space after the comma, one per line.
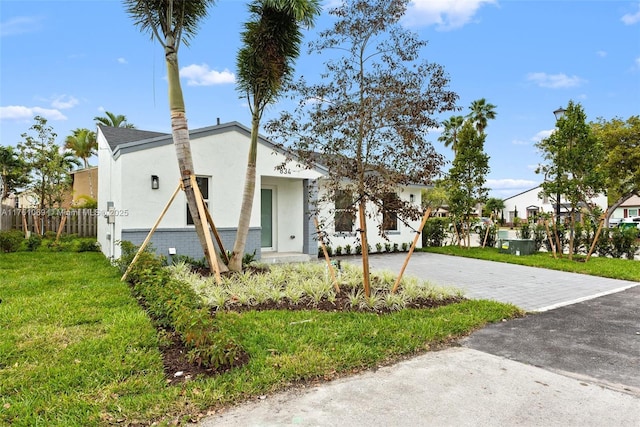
[486, 234]
[596, 237]
[413, 246]
[326, 256]
[213, 258]
[553, 247]
[215, 233]
[25, 227]
[153, 229]
[61, 227]
[365, 250]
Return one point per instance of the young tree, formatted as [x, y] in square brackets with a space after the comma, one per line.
[621, 143]
[265, 63]
[48, 165]
[467, 177]
[573, 155]
[368, 117]
[12, 172]
[114, 120]
[172, 22]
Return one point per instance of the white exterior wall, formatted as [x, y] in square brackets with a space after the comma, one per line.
[126, 180]
[404, 234]
[547, 205]
[631, 207]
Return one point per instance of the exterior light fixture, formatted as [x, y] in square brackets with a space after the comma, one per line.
[412, 198]
[155, 182]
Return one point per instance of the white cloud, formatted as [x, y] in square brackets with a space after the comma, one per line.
[20, 112]
[637, 63]
[64, 102]
[201, 75]
[542, 135]
[631, 18]
[19, 25]
[601, 53]
[519, 142]
[555, 81]
[445, 14]
[122, 61]
[503, 188]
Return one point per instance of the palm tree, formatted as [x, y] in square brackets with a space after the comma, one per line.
[480, 113]
[82, 142]
[113, 120]
[265, 62]
[172, 22]
[449, 135]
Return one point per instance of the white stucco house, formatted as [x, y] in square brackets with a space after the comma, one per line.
[138, 173]
[531, 202]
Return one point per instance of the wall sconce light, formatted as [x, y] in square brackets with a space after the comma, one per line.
[411, 198]
[155, 182]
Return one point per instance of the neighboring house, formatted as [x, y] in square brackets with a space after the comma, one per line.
[529, 203]
[138, 173]
[631, 207]
[84, 187]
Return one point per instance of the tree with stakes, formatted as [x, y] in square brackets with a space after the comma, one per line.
[367, 117]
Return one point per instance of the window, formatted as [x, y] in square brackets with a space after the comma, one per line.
[633, 212]
[203, 185]
[344, 216]
[389, 214]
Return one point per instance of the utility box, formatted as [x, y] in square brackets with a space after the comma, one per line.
[517, 246]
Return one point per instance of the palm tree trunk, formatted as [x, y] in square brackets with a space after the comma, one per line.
[182, 144]
[235, 262]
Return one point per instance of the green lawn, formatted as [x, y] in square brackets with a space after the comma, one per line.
[77, 350]
[605, 267]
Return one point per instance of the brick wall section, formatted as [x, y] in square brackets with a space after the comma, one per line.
[186, 241]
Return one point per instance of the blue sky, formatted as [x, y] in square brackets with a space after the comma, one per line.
[69, 61]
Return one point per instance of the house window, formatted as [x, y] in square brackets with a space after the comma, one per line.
[344, 216]
[203, 185]
[633, 212]
[389, 212]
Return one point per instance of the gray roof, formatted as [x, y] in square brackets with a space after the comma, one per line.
[118, 136]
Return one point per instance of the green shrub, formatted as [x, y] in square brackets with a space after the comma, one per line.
[33, 242]
[396, 247]
[405, 247]
[434, 232]
[10, 240]
[174, 305]
[387, 247]
[539, 236]
[347, 249]
[50, 235]
[87, 245]
[492, 237]
[624, 243]
[378, 247]
[524, 232]
[339, 250]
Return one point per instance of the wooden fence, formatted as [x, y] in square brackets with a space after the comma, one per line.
[81, 222]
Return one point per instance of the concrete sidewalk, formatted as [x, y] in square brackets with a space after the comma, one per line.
[453, 387]
[576, 365]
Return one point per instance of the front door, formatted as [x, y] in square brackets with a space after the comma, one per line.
[267, 217]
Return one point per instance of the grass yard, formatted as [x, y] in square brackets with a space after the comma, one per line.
[76, 349]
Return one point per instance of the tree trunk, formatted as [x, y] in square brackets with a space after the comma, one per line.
[365, 248]
[180, 133]
[235, 263]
